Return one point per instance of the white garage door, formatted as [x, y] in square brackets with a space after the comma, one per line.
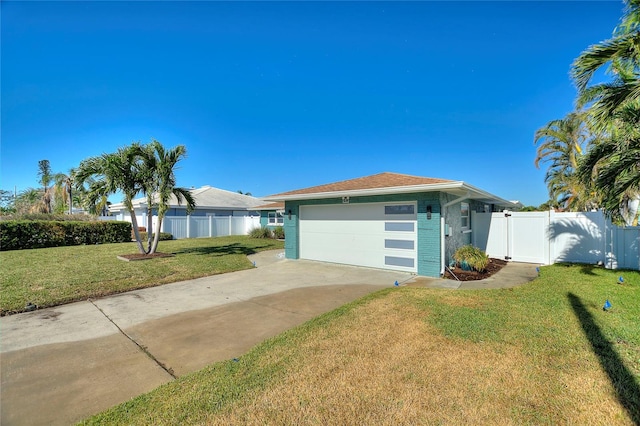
[377, 235]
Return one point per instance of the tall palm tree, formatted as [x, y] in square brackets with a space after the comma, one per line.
[109, 173]
[612, 166]
[162, 163]
[622, 54]
[561, 144]
[45, 175]
[63, 191]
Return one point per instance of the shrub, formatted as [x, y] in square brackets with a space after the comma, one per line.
[471, 257]
[30, 234]
[262, 232]
[48, 217]
[278, 232]
[164, 236]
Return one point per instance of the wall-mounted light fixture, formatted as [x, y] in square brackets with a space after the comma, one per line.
[429, 212]
[289, 214]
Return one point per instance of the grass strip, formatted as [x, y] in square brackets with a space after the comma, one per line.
[58, 275]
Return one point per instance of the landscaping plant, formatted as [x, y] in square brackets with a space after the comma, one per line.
[261, 232]
[475, 258]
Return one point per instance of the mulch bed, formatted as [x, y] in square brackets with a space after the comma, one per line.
[140, 256]
[493, 267]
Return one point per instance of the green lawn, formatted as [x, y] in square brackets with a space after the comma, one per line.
[543, 353]
[53, 276]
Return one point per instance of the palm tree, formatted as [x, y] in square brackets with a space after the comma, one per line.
[622, 54]
[160, 185]
[612, 166]
[44, 173]
[28, 200]
[561, 143]
[63, 190]
[109, 173]
[81, 197]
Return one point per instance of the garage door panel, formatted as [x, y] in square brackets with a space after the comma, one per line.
[360, 234]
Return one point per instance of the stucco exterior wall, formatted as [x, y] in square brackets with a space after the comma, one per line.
[453, 219]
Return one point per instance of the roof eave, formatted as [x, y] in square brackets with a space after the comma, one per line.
[453, 187]
[479, 194]
[366, 192]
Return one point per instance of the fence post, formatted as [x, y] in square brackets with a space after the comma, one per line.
[210, 226]
[188, 226]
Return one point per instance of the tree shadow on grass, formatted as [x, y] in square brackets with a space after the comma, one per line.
[588, 269]
[235, 248]
[625, 384]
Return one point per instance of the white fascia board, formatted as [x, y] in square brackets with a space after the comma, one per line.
[456, 187]
[484, 195]
[368, 192]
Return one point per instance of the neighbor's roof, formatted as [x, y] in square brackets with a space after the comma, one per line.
[207, 197]
[388, 183]
[271, 206]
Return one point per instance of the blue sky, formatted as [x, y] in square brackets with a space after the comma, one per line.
[275, 96]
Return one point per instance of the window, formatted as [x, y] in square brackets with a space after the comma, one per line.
[399, 209]
[464, 215]
[275, 219]
[399, 226]
[399, 244]
[399, 261]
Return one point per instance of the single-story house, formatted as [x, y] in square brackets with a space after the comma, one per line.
[210, 201]
[388, 220]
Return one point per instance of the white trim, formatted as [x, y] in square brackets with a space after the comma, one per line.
[277, 215]
[466, 227]
[457, 188]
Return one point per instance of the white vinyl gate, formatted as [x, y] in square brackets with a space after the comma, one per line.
[550, 237]
[518, 237]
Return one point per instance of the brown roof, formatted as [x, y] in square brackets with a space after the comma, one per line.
[381, 180]
[272, 206]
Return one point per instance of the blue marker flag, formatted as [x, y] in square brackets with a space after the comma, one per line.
[607, 305]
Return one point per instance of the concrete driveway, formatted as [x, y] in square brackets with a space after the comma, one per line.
[62, 364]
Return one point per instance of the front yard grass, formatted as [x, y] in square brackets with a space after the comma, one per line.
[543, 353]
[53, 276]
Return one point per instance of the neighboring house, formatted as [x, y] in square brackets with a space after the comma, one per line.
[209, 202]
[271, 215]
[388, 220]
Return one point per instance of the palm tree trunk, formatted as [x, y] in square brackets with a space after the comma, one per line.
[156, 236]
[136, 231]
[149, 226]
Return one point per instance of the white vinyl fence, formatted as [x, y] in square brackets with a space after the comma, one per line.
[199, 226]
[208, 226]
[550, 237]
